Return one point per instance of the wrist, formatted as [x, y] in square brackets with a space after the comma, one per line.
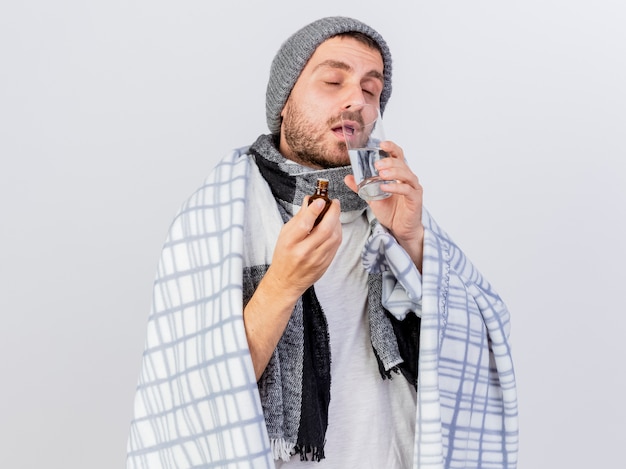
[279, 288]
[414, 247]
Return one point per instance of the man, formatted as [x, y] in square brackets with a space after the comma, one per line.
[368, 340]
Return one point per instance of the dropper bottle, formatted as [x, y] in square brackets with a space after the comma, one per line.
[321, 192]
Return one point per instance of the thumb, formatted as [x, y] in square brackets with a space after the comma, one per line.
[350, 182]
[316, 209]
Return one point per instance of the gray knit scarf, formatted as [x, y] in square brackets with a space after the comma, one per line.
[295, 386]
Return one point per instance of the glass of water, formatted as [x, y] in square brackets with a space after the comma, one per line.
[363, 130]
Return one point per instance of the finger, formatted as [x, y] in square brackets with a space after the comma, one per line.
[331, 219]
[303, 220]
[394, 150]
[329, 229]
[399, 174]
[309, 214]
[350, 182]
[411, 192]
[396, 159]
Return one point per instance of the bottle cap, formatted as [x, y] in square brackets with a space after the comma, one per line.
[322, 183]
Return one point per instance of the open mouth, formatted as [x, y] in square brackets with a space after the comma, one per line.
[341, 133]
[348, 129]
[345, 131]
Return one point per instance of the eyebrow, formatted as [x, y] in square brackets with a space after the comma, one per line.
[344, 66]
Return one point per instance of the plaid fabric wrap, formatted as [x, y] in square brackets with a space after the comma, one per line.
[197, 402]
[467, 400]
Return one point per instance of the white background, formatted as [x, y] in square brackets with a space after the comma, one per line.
[111, 113]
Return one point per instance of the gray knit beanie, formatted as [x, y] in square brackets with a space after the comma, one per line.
[296, 52]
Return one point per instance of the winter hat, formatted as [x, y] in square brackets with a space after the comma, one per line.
[296, 51]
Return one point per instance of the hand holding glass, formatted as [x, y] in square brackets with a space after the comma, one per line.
[363, 130]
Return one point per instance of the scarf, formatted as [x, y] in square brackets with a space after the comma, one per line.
[295, 386]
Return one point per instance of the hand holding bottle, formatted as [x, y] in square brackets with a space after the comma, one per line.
[306, 245]
[302, 254]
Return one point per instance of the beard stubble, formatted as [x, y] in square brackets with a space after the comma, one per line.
[306, 141]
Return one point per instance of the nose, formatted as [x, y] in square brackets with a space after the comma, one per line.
[353, 97]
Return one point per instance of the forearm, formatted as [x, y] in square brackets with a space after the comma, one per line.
[265, 317]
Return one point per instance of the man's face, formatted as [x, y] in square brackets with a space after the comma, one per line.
[340, 73]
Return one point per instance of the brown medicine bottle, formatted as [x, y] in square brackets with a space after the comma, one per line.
[321, 192]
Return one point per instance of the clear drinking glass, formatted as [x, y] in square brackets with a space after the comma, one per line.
[363, 130]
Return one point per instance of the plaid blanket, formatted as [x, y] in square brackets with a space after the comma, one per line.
[197, 402]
